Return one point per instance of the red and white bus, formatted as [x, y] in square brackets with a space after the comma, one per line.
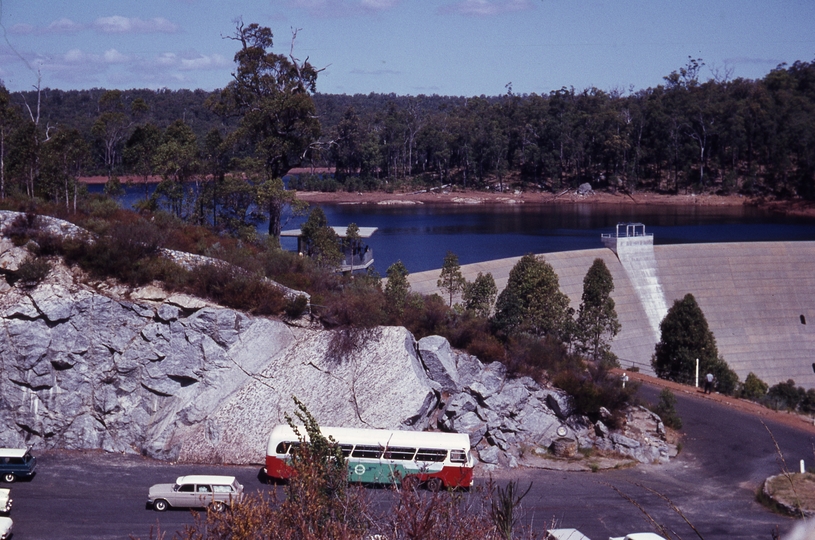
[381, 456]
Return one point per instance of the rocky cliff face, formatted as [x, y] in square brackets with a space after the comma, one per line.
[97, 366]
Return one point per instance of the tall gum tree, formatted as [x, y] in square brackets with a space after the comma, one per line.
[272, 94]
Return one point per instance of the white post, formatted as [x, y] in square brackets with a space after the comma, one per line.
[697, 373]
[803, 469]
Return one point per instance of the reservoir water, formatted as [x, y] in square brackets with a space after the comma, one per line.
[421, 235]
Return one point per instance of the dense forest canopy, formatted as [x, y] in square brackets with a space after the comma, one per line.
[754, 137]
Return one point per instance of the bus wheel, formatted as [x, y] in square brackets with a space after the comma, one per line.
[434, 484]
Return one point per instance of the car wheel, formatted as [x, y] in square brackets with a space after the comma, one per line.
[160, 505]
[9, 477]
[217, 506]
[434, 484]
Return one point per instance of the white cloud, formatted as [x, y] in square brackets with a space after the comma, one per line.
[486, 8]
[167, 59]
[112, 56]
[63, 26]
[133, 25]
[215, 61]
[76, 56]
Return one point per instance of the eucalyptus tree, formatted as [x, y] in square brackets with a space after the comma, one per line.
[9, 119]
[113, 124]
[64, 157]
[139, 150]
[177, 159]
[272, 95]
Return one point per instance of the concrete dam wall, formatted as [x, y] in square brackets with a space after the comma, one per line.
[758, 298]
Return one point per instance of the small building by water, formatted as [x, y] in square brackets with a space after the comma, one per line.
[355, 258]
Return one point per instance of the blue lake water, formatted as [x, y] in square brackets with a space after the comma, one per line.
[421, 235]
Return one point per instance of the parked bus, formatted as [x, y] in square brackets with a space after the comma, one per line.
[380, 456]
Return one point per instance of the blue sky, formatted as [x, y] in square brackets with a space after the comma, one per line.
[408, 47]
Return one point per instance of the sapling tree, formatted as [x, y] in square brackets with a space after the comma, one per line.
[451, 280]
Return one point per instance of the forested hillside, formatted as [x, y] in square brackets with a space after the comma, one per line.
[755, 137]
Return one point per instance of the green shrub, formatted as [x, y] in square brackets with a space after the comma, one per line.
[31, 272]
[22, 228]
[785, 395]
[595, 389]
[295, 307]
[666, 409]
[753, 388]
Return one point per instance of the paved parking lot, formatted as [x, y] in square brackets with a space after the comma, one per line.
[726, 454]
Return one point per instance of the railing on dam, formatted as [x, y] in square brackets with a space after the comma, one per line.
[628, 230]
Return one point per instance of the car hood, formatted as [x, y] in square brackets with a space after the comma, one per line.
[5, 524]
[161, 489]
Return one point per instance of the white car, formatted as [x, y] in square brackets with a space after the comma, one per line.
[5, 500]
[638, 536]
[196, 491]
[5, 527]
[565, 534]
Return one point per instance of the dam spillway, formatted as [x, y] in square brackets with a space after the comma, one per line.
[758, 299]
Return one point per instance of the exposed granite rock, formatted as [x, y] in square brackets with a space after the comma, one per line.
[176, 377]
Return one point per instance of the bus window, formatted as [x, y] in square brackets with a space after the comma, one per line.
[431, 454]
[286, 447]
[346, 449]
[282, 448]
[372, 452]
[458, 456]
[397, 452]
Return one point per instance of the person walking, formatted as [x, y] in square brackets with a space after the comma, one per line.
[708, 383]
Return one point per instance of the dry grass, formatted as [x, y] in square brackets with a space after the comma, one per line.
[795, 490]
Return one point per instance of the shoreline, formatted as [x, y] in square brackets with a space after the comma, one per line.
[456, 196]
[472, 197]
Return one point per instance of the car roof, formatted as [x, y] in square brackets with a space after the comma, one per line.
[205, 479]
[13, 452]
[566, 534]
[643, 536]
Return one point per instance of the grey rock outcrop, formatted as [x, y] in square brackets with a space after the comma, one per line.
[100, 366]
[179, 379]
[505, 416]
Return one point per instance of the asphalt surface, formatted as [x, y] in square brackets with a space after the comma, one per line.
[726, 454]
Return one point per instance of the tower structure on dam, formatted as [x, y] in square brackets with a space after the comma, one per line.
[635, 251]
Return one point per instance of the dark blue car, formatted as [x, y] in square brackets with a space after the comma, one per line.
[16, 463]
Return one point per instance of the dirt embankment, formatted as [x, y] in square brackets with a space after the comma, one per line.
[792, 207]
